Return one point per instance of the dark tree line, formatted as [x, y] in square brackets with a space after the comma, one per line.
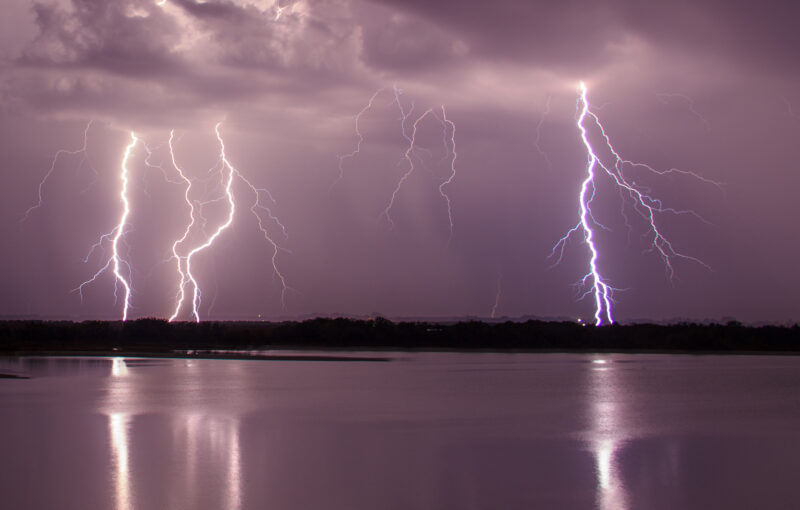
[155, 335]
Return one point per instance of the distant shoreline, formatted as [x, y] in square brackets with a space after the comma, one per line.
[159, 338]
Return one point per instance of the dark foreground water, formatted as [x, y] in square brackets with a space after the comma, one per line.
[424, 431]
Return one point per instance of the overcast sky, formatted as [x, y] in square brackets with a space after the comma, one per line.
[706, 87]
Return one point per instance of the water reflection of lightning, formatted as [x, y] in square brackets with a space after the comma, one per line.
[116, 262]
[607, 434]
[58, 154]
[593, 283]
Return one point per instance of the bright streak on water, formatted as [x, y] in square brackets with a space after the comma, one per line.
[424, 431]
[608, 424]
[118, 426]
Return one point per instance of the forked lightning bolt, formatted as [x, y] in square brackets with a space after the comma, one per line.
[411, 151]
[116, 262]
[56, 157]
[181, 261]
[187, 278]
[359, 135]
[452, 139]
[647, 207]
[449, 134]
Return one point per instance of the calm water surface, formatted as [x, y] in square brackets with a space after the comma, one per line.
[424, 431]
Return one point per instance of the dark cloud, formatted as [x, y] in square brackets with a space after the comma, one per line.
[288, 80]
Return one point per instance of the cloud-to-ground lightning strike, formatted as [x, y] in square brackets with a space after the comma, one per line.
[115, 262]
[646, 206]
[56, 157]
[181, 261]
[184, 263]
[196, 293]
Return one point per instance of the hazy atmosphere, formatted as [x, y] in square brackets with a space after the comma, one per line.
[363, 128]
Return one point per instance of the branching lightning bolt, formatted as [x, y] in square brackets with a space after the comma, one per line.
[181, 261]
[115, 262]
[410, 153]
[449, 141]
[229, 172]
[408, 156]
[646, 206]
[228, 193]
[359, 135]
[58, 154]
[452, 140]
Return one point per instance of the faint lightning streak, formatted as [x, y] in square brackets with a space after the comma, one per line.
[232, 209]
[498, 292]
[789, 109]
[359, 135]
[664, 98]
[82, 150]
[408, 157]
[539, 125]
[275, 248]
[452, 169]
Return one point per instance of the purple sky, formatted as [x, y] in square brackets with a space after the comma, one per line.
[707, 87]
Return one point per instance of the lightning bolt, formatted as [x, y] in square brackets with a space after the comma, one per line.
[258, 206]
[412, 140]
[58, 154]
[228, 195]
[411, 151]
[115, 262]
[497, 294]
[181, 261]
[646, 206]
[452, 176]
[408, 155]
[360, 137]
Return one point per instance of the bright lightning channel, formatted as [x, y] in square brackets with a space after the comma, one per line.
[646, 206]
[115, 262]
[187, 278]
[181, 261]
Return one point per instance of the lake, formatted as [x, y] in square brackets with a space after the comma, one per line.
[421, 431]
